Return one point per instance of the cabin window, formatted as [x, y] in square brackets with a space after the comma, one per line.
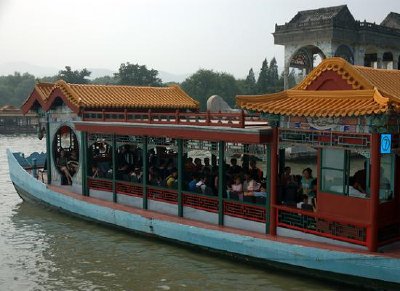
[100, 157]
[66, 152]
[386, 185]
[333, 171]
[344, 172]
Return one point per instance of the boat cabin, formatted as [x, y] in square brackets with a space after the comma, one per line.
[150, 148]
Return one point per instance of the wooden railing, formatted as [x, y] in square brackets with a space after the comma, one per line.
[235, 119]
[100, 184]
[162, 194]
[320, 225]
[128, 188]
[201, 202]
[245, 210]
[238, 209]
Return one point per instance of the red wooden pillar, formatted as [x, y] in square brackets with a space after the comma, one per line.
[274, 180]
[372, 237]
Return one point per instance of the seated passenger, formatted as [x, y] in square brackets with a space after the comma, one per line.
[122, 164]
[61, 164]
[355, 188]
[171, 180]
[95, 171]
[286, 177]
[234, 169]
[255, 172]
[73, 163]
[192, 183]
[313, 192]
[237, 186]
[198, 167]
[207, 166]
[306, 181]
[262, 192]
[361, 178]
[136, 176]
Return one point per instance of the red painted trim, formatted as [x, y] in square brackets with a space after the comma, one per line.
[327, 235]
[274, 181]
[246, 210]
[55, 93]
[329, 80]
[214, 200]
[374, 188]
[321, 216]
[32, 99]
[182, 132]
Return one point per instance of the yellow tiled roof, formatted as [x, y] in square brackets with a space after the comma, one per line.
[44, 89]
[121, 97]
[374, 92]
[387, 81]
[317, 103]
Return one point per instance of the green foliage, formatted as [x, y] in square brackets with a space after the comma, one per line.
[134, 74]
[263, 78]
[269, 80]
[205, 83]
[74, 77]
[250, 85]
[105, 80]
[292, 79]
[14, 89]
[47, 79]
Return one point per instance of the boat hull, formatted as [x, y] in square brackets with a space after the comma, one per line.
[347, 266]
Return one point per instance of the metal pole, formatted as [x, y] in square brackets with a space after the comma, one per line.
[221, 182]
[268, 188]
[274, 178]
[84, 158]
[114, 172]
[48, 149]
[145, 176]
[180, 177]
[372, 238]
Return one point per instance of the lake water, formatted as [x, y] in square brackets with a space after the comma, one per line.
[42, 249]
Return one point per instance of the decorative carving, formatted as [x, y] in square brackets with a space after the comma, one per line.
[323, 123]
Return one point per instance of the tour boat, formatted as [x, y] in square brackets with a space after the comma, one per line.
[123, 156]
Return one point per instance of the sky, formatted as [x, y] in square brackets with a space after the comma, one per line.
[176, 36]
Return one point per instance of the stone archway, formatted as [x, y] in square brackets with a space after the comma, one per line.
[345, 52]
[303, 60]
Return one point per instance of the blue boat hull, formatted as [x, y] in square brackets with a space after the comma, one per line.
[345, 265]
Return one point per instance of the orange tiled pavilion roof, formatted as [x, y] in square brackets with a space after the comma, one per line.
[81, 96]
[373, 91]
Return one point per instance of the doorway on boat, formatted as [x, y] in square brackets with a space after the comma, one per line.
[66, 154]
[297, 185]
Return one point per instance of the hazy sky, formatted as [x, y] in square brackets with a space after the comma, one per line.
[178, 36]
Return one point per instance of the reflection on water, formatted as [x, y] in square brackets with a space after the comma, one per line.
[42, 249]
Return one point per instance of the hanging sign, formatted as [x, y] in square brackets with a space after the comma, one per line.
[386, 143]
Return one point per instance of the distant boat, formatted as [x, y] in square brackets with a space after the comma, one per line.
[13, 121]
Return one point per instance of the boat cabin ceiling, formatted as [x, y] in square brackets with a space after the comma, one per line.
[327, 151]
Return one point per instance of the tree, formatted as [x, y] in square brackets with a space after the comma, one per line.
[250, 83]
[48, 79]
[134, 74]
[263, 78]
[273, 77]
[105, 80]
[14, 89]
[74, 77]
[205, 83]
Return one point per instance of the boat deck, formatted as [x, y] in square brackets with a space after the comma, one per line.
[391, 251]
